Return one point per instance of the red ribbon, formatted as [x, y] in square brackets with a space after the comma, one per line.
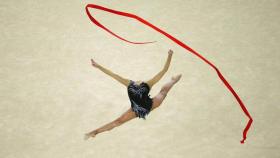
[179, 43]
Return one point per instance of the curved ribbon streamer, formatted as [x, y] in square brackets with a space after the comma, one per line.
[179, 43]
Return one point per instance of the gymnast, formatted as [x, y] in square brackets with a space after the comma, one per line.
[138, 93]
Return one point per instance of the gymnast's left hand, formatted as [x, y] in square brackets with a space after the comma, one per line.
[94, 63]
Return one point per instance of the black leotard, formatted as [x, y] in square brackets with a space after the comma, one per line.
[141, 103]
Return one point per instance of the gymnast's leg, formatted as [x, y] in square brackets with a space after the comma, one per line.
[158, 99]
[128, 115]
[158, 76]
[122, 80]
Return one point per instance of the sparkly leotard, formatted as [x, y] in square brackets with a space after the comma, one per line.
[141, 103]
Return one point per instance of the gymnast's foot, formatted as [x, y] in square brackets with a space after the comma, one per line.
[176, 78]
[91, 134]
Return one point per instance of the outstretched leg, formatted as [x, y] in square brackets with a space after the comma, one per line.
[128, 115]
[122, 80]
[158, 99]
[159, 75]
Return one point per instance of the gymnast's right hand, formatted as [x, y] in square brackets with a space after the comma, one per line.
[170, 52]
[94, 64]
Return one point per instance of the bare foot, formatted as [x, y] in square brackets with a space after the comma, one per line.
[94, 63]
[170, 52]
[88, 135]
[176, 78]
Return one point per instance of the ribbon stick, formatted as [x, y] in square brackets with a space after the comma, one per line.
[222, 78]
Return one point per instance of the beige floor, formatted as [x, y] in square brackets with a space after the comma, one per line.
[50, 95]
